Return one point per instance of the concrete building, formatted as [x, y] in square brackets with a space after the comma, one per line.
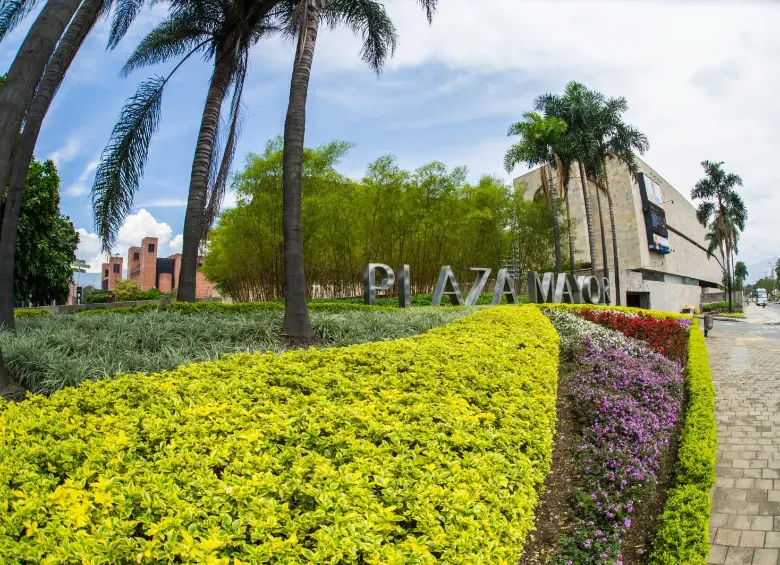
[662, 249]
[110, 273]
[162, 273]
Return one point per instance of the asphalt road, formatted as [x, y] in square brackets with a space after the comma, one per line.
[761, 322]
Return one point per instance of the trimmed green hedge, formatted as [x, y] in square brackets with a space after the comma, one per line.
[682, 534]
[31, 313]
[121, 310]
[424, 449]
[721, 306]
[625, 309]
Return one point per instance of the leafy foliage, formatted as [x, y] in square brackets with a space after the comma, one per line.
[126, 289]
[46, 241]
[357, 455]
[682, 534]
[426, 218]
[720, 306]
[30, 313]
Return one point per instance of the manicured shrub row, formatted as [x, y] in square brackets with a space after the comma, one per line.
[623, 309]
[243, 307]
[420, 450]
[682, 534]
[31, 313]
[667, 336]
[120, 310]
[628, 399]
[721, 306]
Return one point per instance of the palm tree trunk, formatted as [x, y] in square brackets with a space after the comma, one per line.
[603, 234]
[556, 227]
[588, 219]
[201, 167]
[25, 73]
[614, 235]
[563, 183]
[296, 312]
[77, 31]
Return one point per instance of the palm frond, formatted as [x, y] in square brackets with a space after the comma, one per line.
[123, 160]
[12, 12]
[704, 212]
[370, 20]
[125, 13]
[174, 37]
[430, 8]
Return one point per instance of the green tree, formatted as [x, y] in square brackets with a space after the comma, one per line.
[46, 241]
[539, 138]
[722, 204]
[223, 31]
[740, 274]
[614, 140]
[370, 20]
[578, 107]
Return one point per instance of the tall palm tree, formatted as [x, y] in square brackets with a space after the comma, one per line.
[13, 170]
[74, 36]
[577, 107]
[223, 30]
[720, 201]
[740, 274]
[370, 20]
[615, 140]
[539, 138]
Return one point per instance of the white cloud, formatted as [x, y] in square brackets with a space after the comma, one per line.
[68, 151]
[140, 225]
[79, 187]
[176, 243]
[695, 79]
[134, 229]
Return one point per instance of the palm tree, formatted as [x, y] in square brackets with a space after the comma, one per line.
[577, 107]
[82, 23]
[224, 30]
[369, 19]
[13, 170]
[539, 138]
[717, 190]
[615, 140]
[740, 274]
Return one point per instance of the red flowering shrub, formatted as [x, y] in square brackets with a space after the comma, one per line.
[665, 335]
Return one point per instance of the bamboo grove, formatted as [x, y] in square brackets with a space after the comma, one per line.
[425, 218]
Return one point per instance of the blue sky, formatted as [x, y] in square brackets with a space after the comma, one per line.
[698, 77]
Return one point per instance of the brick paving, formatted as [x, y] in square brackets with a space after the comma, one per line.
[745, 526]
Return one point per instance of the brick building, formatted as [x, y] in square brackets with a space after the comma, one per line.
[110, 273]
[151, 271]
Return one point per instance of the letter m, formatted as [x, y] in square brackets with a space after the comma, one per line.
[540, 291]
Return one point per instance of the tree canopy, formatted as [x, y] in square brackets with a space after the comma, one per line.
[426, 218]
[46, 241]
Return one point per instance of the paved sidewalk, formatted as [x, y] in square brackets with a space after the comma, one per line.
[760, 315]
[745, 526]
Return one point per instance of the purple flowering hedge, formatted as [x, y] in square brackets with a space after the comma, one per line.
[629, 400]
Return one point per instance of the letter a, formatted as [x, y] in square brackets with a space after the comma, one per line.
[447, 286]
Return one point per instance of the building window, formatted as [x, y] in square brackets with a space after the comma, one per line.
[691, 282]
[650, 276]
[106, 273]
[136, 256]
[151, 248]
[116, 267]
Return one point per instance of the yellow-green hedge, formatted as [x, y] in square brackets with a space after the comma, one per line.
[682, 534]
[420, 450]
[243, 307]
[31, 313]
[626, 309]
